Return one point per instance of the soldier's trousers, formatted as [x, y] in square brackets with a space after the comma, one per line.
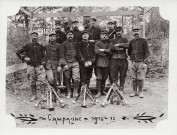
[118, 66]
[85, 74]
[102, 73]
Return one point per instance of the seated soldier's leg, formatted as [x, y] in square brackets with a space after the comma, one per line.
[99, 77]
[32, 77]
[67, 74]
[76, 78]
[41, 77]
[123, 72]
[83, 75]
[103, 83]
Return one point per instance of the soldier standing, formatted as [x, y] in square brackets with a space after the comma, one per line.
[68, 59]
[102, 50]
[86, 56]
[76, 31]
[138, 52]
[35, 57]
[119, 63]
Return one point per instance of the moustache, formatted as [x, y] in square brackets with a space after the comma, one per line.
[136, 34]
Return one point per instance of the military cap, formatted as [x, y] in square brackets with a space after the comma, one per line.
[110, 21]
[34, 32]
[93, 18]
[84, 31]
[119, 28]
[57, 22]
[75, 21]
[52, 33]
[70, 31]
[136, 28]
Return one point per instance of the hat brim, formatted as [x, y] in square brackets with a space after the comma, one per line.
[110, 23]
[34, 33]
[136, 29]
[52, 34]
[75, 22]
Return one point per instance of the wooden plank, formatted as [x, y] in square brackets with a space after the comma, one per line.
[74, 14]
[15, 68]
[25, 11]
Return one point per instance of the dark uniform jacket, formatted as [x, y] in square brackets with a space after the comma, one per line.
[94, 33]
[52, 55]
[68, 52]
[60, 36]
[111, 34]
[119, 52]
[34, 51]
[86, 52]
[138, 50]
[102, 58]
[77, 35]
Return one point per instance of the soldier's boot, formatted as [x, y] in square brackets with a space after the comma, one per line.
[76, 88]
[103, 92]
[33, 90]
[135, 84]
[140, 88]
[98, 86]
[68, 87]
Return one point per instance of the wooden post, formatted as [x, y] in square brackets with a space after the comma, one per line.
[30, 24]
[144, 23]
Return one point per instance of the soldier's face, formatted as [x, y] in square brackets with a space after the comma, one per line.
[136, 33]
[75, 25]
[103, 36]
[92, 23]
[85, 36]
[58, 27]
[34, 37]
[119, 33]
[70, 36]
[52, 37]
[110, 26]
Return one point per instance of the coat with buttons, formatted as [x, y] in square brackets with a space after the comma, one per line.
[94, 33]
[119, 52]
[68, 52]
[77, 35]
[34, 51]
[86, 52]
[52, 55]
[138, 49]
[102, 58]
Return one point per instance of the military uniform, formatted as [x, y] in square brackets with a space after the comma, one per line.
[52, 62]
[68, 57]
[138, 52]
[119, 63]
[86, 52]
[35, 69]
[102, 64]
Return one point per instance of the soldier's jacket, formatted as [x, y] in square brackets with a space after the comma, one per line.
[102, 58]
[68, 52]
[94, 33]
[138, 50]
[34, 51]
[60, 36]
[119, 52]
[86, 52]
[52, 55]
[77, 35]
[111, 34]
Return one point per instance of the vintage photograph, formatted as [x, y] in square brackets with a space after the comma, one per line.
[87, 67]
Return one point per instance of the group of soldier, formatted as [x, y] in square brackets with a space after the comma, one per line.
[79, 53]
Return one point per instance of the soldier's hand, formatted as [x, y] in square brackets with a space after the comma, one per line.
[59, 69]
[27, 59]
[89, 63]
[86, 64]
[92, 40]
[101, 50]
[66, 67]
[117, 45]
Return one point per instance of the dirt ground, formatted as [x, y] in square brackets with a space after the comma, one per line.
[153, 105]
